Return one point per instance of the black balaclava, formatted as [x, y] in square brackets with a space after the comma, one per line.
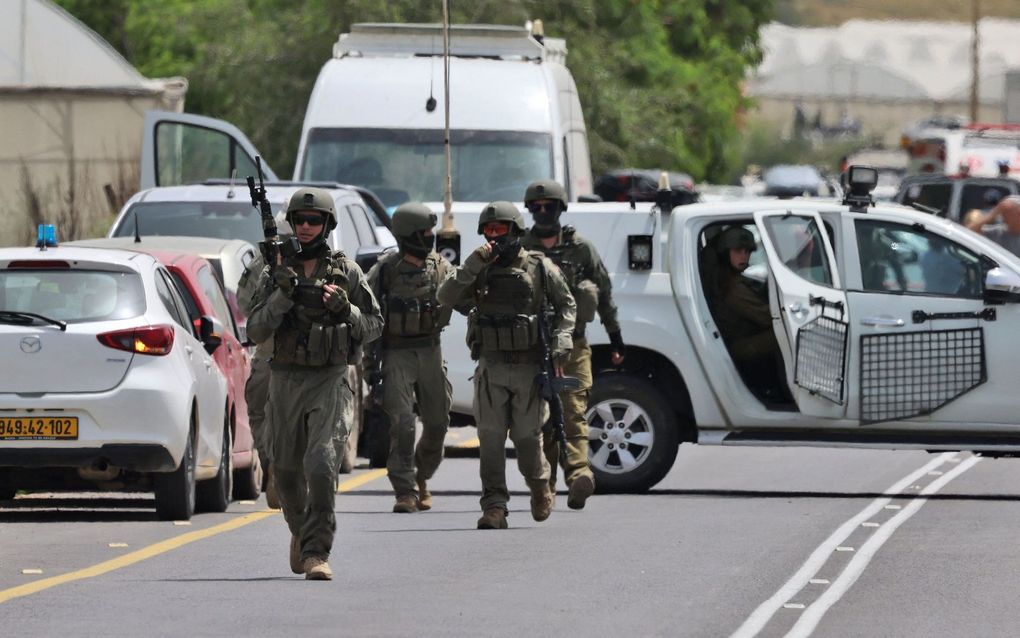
[417, 244]
[506, 247]
[547, 222]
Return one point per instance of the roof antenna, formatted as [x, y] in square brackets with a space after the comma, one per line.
[138, 234]
[630, 190]
[233, 176]
[430, 104]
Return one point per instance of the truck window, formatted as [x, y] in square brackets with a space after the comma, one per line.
[935, 195]
[901, 259]
[189, 154]
[401, 165]
[799, 244]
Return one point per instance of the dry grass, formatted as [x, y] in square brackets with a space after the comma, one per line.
[835, 12]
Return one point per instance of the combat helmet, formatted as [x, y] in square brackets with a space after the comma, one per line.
[317, 199]
[410, 224]
[736, 237]
[546, 189]
[501, 212]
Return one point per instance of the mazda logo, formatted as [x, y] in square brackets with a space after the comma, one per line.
[31, 345]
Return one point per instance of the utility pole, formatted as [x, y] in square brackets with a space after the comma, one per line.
[975, 58]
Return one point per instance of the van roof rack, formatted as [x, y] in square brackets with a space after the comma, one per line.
[466, 40]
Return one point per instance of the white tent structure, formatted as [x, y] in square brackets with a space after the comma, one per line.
[885, 73]
[71, 112]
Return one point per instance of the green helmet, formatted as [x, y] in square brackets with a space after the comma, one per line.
[501, 212]
[313, 199]
[411, 217]
[736, 237]
[546, 189]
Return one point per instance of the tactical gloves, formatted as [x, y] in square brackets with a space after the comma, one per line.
[338, 303]
[285, 279]
[616, 343]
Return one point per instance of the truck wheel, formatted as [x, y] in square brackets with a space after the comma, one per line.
[175, 491]
[632, 434]
[214, 494]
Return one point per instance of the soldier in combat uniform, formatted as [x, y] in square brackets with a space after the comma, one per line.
[319, 314]
[589, 283]
[406, 283]
[506, 288]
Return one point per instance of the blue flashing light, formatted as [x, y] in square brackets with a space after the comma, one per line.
[46, 237]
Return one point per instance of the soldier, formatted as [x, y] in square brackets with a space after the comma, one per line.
[589, 283]
[406, 283]
[506, 288]
[318, 317]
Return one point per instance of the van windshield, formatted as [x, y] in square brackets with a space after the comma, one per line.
[401, 165]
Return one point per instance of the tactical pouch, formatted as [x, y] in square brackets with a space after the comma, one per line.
[508, 333]
[339, 339]
[409, 317]
[473, 337]
[586, 295]
[317, 345]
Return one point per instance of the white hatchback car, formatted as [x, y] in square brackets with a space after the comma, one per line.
[108, 383]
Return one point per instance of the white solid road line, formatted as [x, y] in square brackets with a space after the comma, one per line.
[810, 619]
[764, 613]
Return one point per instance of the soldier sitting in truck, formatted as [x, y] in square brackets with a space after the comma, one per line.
[741, 310]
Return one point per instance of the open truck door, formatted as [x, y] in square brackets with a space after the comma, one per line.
[178, 148]
[813, 317]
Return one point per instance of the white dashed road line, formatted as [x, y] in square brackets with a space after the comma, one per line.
[809, 570]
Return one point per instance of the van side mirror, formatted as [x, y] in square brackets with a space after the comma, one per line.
[210, 331]
[1001, 286]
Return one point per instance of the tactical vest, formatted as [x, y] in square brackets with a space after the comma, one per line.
[310, 335]
[409, 299]
[508, 300]
[577, 274]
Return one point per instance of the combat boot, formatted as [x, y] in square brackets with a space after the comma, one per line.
[493, 518]
[406, 504]
[317, 569]
[272, 497]
[580, 489]
[296, 565]
[424, 496]
[541, 503]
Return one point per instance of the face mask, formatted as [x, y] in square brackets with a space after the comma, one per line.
[505, 248]
[416, 245]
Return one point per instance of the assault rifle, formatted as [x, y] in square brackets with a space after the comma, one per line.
[549, 385]
[272, 246]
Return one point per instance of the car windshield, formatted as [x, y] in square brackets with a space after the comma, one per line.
[399, 165]
[74, 296]
[222, 220]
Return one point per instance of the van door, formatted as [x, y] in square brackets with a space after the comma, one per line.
[813, 317]
[179, 148]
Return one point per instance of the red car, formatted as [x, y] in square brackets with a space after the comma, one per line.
[203, 294]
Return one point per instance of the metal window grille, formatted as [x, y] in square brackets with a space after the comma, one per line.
[914, 373]
[821, 357]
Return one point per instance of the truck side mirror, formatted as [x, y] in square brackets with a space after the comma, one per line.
[1001, 286]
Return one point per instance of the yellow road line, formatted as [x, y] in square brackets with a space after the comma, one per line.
[469, 443]
[163, 546]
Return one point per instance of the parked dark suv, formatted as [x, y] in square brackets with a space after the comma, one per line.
[954, 196]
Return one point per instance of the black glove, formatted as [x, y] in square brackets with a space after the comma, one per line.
[616, 343]
[285, 279]
[477, 260]
[338, 303]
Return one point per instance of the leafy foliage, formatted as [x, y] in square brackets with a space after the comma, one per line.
[660, 80]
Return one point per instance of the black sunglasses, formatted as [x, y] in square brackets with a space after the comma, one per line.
[312, 219]
[542, 207]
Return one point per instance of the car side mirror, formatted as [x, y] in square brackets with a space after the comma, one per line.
[210, 331]
[1001, 286]
[367, 256]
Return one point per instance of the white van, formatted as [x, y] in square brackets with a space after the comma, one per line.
[376, 115]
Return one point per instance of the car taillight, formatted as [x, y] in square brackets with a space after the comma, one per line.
[154, 340]
[39, 264]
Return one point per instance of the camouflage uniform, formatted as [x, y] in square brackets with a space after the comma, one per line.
[256, 390]
[505, 296]
[589, 282]
[310, 394]
[413, 370]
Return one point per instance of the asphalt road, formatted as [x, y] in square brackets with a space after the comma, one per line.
[734, 542]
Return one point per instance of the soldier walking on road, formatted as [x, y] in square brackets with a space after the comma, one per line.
[589, 283]
[505, 286]
[319, 314]
[406, 284]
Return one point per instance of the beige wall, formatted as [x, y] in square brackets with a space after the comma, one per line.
[886, 120]
[69, 145]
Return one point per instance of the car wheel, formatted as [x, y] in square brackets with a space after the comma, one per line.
[632, 434]
[248, 480]
[175, 491]
[214, 495]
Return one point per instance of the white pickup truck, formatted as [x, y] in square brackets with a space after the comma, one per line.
[895, 328]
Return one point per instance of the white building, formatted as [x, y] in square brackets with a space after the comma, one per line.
[71, 113]
[887, 74]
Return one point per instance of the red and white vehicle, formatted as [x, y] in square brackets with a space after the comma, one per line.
[969, 149]
[108, 381]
